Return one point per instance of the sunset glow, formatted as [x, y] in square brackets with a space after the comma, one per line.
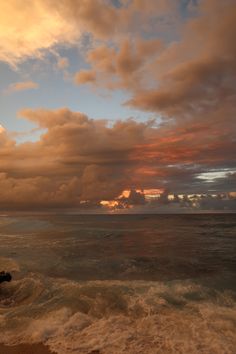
[109, 204]
[103, 97]
[117, 176]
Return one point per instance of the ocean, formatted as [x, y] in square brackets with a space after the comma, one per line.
[114, 284]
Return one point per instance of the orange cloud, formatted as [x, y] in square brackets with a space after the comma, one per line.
[26, 29]
[31, 29]
[62, 63]
[188, 82]
[78, 159]
[122, 68]
[21, 86]
[198, 72]
[85, 76]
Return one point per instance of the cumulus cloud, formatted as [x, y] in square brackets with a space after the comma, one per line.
[192, 70]
[76, 153]
[21, 86]
[199, 71]
[29, 29]
[186, 79]
[123, 67]
[37, 192]
[80, 159]
[26, 29]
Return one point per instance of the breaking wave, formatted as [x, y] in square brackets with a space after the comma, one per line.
[118, 316]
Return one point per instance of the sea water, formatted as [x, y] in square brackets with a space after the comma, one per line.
[115, 284]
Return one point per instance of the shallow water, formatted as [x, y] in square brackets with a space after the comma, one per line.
[120, 283]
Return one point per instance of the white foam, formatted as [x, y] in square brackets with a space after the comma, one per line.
[123, 317]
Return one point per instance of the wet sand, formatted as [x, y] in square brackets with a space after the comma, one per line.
[25, 349]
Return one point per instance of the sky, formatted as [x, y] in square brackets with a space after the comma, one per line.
[98, 97]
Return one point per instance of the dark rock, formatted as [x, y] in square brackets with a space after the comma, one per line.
[4, 276]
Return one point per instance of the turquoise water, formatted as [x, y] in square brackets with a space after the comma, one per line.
[120, 283]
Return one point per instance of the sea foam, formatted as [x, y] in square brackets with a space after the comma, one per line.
[119, 316]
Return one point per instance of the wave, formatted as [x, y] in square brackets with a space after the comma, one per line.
[118, 317]
[10, 264]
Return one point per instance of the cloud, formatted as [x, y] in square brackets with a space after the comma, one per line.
[176, 75]
[26, 30]
[199, 71]
[183, 73]
[85, 76]
[62, 63]
[37, 192]
[31, 30]
[38, 25]
[74, 148]
[21, 86]
[123, 67]
[79, 159]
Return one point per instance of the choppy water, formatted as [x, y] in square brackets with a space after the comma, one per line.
[120, 283]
